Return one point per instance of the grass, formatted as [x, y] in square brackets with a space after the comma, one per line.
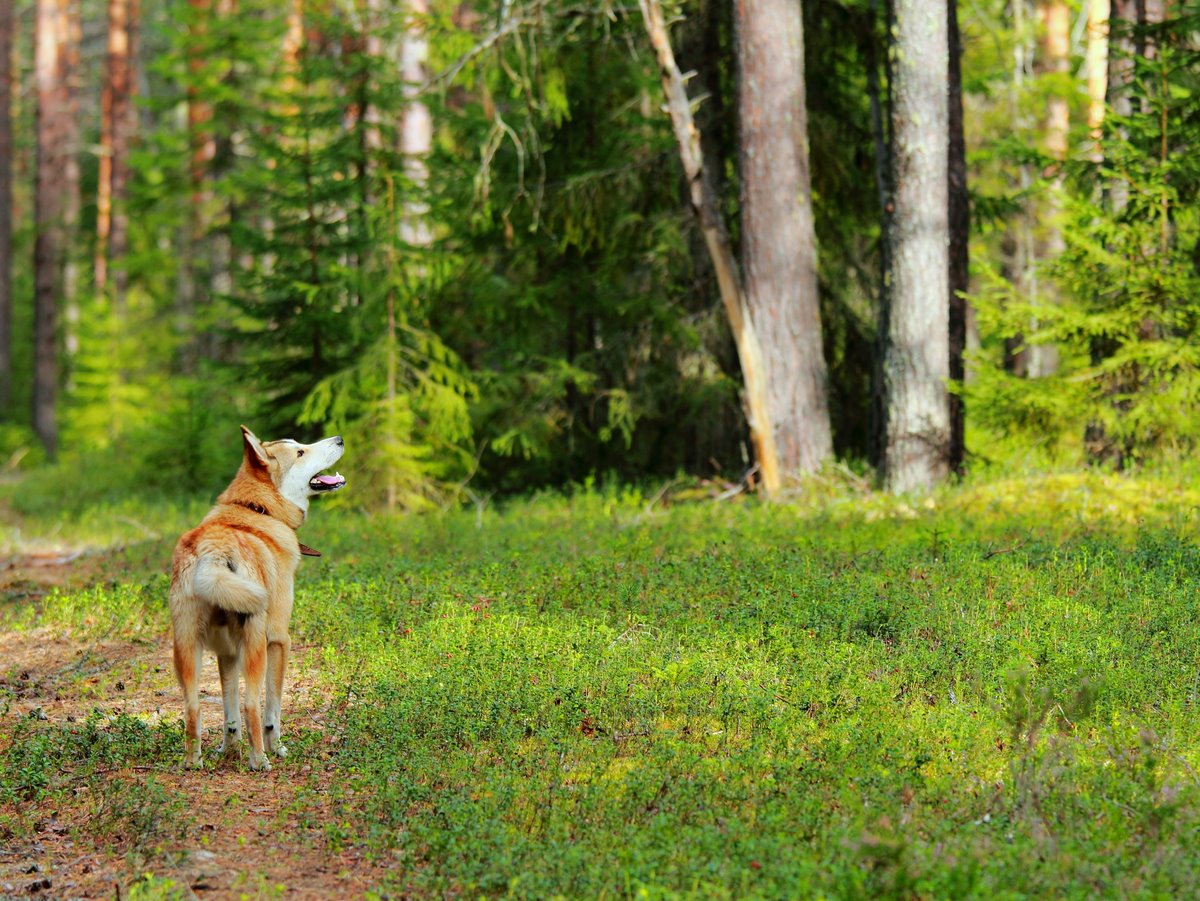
[992, 695]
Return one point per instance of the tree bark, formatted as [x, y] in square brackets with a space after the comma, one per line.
[118, 123]
[1096, 66]
[881, 140]
[1120, 75]
[6, 148]
[416, 127]
[202, 147]
[1053, 60]
[917, 362]
[57, 180]
[779, 252]
[729, 283]
[959, 220]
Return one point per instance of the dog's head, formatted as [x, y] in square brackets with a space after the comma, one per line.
[294, 469]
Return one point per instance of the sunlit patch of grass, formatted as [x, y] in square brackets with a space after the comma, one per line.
[988, 694]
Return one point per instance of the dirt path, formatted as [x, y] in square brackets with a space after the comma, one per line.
[243, 834]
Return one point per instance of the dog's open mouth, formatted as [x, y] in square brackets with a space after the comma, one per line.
[327, 482]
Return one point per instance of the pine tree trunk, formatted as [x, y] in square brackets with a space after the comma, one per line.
[57, 180]
[917, 363]
[716, 239]
[960, 235]
[779, 251]
[118, 123]
[6, 167]
[201, 151]
[881, 139]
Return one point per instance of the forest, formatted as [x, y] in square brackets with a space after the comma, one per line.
[768, 435]
[505, 247]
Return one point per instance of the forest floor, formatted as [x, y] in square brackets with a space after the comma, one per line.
[221, 832]
[991, 693]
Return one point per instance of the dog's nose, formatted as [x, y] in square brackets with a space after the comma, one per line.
[340, 442]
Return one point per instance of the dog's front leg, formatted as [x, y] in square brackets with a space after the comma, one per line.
[230, 668]
[277, 654]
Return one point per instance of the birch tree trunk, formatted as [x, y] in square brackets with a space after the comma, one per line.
[916, 366]
[959, 222]
[6, 167]
[1096, 66]
[416, 127]
[57, 180]
[716, 239]
[1123, 13]
[118, 123]
[779, 253]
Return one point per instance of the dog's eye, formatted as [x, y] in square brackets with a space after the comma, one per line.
[299, 453]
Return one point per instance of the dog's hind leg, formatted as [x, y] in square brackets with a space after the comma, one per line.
[255, 671]
[277, 654]
[230, 668]
[187, 656]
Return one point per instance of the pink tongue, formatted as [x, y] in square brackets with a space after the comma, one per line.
[328, 480]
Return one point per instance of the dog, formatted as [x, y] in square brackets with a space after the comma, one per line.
[231, 588]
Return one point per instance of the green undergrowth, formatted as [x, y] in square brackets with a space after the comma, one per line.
[992, 694]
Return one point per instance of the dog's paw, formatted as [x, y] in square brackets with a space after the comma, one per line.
[280, 751]
[193, 762]
[259, 763]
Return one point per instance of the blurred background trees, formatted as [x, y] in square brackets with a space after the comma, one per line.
[510, 245]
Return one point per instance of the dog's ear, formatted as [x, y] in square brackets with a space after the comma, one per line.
[256, 457]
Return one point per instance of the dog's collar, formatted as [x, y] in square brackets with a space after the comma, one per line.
[305, 550]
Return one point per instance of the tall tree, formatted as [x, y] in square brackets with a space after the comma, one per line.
[1052, 68]
[57, 183]
[959, 221]
[779, 252]
[916, 364]
[716, 239]
[416, 126]
[202, 148]
[118, 121]
[6, 147]
[1096, 67]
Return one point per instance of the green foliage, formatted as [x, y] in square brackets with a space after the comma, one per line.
[1125, 323]
[984, 696]
[571, 697]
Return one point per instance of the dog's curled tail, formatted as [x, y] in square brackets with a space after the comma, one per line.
[216, 582]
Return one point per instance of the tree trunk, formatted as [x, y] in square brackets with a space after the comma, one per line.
[202, 148]
[960, 235]
[1120, 76]
[57, 180]
[917, 363]
[6, 148]
[729, 283]
[881, 141]
[118, 123]
[1096, 66]
[1054, 18]
[779, 251]
[416, 127]
[1056, 48]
